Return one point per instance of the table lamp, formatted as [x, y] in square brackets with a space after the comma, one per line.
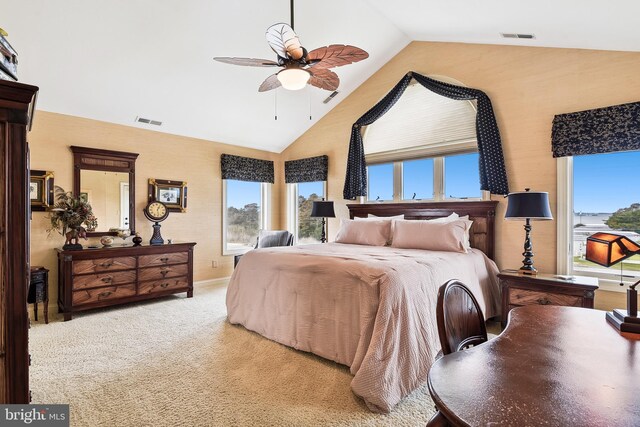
[608, 249]
[323, 209]
[528, 205]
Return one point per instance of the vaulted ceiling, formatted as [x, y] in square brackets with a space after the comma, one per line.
[121, 59]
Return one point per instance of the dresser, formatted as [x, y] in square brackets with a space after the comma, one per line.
[17, 103]
[95, 278]
[545, 289]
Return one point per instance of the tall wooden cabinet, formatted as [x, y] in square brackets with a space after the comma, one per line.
[16, 111]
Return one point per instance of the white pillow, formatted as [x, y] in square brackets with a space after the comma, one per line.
[434, 236]
[371, 233]
[372, 217]
[454, 216]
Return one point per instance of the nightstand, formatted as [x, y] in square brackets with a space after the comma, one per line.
[39, 291]
[544, 289]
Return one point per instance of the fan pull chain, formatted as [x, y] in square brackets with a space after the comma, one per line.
[309, 99]
[275, 106]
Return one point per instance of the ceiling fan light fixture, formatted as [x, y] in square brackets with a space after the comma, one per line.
[293, 78]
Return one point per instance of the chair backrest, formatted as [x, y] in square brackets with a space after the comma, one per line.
[460, 320]
[272, 238]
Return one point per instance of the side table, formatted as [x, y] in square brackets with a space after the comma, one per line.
[39, 291]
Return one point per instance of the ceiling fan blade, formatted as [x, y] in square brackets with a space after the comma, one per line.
[335, 55]
[324, 79]
[271, 82]
[248, 62]
[284, 41]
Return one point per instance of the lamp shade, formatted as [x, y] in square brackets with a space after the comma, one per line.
[528, 205]
[293, 78]
[608, 249]
[322, 209]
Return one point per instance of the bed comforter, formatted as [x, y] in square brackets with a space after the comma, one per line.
[369, 308]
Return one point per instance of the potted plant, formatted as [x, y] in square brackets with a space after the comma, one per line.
[68, 216]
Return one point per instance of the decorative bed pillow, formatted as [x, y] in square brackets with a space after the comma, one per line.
[392, 219]
[434, 236]
[371, 233]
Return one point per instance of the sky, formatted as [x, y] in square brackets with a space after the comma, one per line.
[462, 178]
[241, 193]
[605, 182]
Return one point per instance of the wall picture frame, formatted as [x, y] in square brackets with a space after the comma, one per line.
[41, 190]
[172, 193]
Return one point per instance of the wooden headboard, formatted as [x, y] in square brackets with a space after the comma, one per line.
[482, 213]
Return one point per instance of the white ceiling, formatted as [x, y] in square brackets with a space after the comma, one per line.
[118, 59]
[584, 24]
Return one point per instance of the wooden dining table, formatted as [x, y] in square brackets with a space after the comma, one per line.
[551, 366]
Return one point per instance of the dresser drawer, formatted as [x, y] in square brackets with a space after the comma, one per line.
[104, 279]
[88, 296]
[103, 264]
[527, 297]
[163, 285]
[163, 259]
[164, 272]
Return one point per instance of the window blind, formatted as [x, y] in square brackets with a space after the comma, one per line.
[246, 169]
[421, 124]
[306, 170]
[603, 130]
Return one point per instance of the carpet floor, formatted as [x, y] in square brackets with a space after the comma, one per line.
[178, 362]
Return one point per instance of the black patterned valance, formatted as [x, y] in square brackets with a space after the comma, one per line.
[493, 176]
[603, 130]
[246, 169]
[306, 170]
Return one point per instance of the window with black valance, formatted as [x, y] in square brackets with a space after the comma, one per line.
[310, 169]
[602, 130]
[246, 169]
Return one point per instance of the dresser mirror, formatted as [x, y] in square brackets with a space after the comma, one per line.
[106, 179]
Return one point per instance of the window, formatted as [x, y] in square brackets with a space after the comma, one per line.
[306, 229]
[441, 178]
[602, 203]
[244, 214]
[417, 179]
[462, 176]
[380, 182]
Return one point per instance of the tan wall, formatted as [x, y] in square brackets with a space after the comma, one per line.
[527, 86]
[162, 156]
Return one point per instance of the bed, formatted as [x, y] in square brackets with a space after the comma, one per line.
[370, 308]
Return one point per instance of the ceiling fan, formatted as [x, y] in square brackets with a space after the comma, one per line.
[300, 67]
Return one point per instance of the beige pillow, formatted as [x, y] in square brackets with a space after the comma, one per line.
[371, 233]
[372, 217]
[434, 236]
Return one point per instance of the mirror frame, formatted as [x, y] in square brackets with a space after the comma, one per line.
[109, 161]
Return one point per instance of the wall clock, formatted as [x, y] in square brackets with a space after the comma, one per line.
[156, 212]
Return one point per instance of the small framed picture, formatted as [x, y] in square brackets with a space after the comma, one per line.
[41, 190]
[171, 193]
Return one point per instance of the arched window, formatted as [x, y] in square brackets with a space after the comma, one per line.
[423, 148]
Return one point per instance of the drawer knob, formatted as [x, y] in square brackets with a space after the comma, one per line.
[164, 259]
[107, 279]
[104, 294]
[164, 285]
[543, 301]
[106, 264]
[164, 272]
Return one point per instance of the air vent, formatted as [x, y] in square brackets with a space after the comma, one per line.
[148, 121]
[517, 36]
[330, 97]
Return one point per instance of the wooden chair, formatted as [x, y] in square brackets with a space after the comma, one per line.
[460, 326]
[460, 320]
